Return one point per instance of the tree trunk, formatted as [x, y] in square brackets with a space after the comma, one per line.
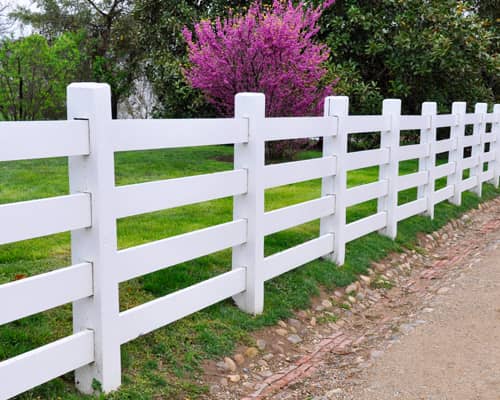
[114, 106]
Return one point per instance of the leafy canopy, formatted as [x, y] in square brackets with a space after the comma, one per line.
[109, 37]
[34, 75]
[435, 50]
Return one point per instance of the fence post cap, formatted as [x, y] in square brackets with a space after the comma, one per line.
[481, 108]
[249, 104]
[250, 94]
[88, 85]
[88, 100]
[343, 98]
[86, 88]
[392, 101]
[336, 106]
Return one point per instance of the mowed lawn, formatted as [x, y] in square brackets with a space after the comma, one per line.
[167, 361]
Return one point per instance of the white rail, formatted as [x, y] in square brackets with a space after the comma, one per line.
[153, 134]
[31, 219]
[38, 366]
[56, 288]
[157, 313]
[369, 191]
[367, 158]
[299, 128]
[299, 171]
[150, 257]
[43, 139]
[153, 196]
[288, 217]
[364, 226]
[285, 261]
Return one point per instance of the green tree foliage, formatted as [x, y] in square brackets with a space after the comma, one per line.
[160, 25]
[435, 50]
[34, 75]
[432, 50]
[489, 10]
[160, 36]
[109, 37]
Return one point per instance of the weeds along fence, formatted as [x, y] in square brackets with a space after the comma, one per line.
[90, 138]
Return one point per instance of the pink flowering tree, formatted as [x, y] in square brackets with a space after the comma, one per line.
[268, 50]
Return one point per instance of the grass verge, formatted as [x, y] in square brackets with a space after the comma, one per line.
[166, 363]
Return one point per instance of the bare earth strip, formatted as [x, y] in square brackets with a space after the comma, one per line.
[434, 335]
[455, 353]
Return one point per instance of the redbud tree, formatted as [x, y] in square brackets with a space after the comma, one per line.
[268, 50]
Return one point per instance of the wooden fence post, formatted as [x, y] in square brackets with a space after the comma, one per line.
[336, 106]
[479, 129]
[95, 174]
[390, 172]
[250, 206]
[428, 136]
[495, 129]
[457, 133]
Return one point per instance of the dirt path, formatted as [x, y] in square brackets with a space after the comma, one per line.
[431, 330]
[455, 352]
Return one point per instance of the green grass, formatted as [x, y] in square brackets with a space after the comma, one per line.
[166, 362]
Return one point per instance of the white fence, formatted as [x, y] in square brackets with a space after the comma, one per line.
[90, 138]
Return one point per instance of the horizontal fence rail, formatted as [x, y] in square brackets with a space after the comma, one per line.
[153, 196]
[299, 128]
[447, 166]
[161, 134]
[366, 225]
[157, 313]
[31, 140]
[31, 219]
[367, 123]
[285, 261]
[367, 158]
[150, 257]
[369, 191]
[288, 217]
[298, 171]
[413, 180]
[38, 366]
[58, 287]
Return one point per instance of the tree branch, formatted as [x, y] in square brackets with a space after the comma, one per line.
[95, 7]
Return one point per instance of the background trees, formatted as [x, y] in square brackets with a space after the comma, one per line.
[379, 48]
[437, 50]
[108, 34]
[5, 22]
[34, 75]
[160, 24]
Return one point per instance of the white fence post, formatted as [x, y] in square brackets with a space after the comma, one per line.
[457, 133]
[95, 174]
[428, 136]
[495, 129]
[477, 149]
[336, 106]
[250, 206]
[390, 172]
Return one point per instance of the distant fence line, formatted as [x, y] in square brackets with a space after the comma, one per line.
[90, 138]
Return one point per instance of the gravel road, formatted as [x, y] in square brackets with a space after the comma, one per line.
[456, 353]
